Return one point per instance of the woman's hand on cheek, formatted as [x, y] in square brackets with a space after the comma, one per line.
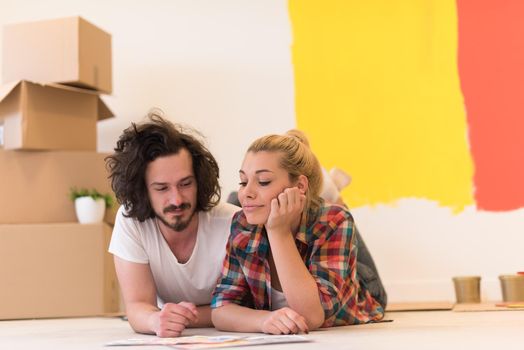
[286, 209]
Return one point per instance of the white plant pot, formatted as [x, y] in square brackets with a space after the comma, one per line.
[89, 211]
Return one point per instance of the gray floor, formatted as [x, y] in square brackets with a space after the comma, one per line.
[409, 330]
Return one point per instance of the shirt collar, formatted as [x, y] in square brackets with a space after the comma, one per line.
[249, 237]
[301, 235]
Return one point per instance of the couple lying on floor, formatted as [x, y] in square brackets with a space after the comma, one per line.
[285, 262]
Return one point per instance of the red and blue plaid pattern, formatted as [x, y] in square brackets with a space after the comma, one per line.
[329, 250]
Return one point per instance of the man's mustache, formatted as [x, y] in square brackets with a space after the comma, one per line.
[173, 207]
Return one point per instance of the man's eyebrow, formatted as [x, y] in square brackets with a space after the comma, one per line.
[165, 183]
[156, 183]
[186, 178]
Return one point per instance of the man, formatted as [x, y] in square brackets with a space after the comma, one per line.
[171, 231]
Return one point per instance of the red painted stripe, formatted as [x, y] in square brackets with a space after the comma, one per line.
[491, 69]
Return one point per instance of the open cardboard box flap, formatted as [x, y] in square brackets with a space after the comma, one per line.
[103, 111]
[50, 116]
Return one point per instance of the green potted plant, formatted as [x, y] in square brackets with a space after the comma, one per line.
[90, 205]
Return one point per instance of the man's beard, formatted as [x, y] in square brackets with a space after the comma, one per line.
[179, 224]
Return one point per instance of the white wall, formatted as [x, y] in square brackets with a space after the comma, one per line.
[222, 67]
[419, 246]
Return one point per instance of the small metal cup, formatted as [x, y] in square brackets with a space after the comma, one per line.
[512, 287]
[467, 289]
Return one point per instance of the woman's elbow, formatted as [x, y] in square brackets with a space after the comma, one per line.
[315, 321]
[217, 318]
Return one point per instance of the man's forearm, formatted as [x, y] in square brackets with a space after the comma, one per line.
[141, 317]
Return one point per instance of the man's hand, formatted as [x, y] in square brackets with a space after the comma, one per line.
[173, 319]
[285, 210]
[284, 321]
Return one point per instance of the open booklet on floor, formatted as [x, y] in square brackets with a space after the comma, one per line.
[211, 342]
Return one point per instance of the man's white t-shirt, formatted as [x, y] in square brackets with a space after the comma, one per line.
[193, 281]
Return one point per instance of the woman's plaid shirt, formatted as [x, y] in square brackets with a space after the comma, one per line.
[329, 250]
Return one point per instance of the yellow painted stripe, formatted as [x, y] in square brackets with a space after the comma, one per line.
[377, 92]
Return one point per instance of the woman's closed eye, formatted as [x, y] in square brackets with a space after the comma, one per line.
[261, 183]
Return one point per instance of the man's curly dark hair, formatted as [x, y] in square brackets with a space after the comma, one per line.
[141, 144]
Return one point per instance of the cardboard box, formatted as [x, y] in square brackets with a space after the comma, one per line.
[50, 117]
[67, 50]
[56, 270]
[34, 186]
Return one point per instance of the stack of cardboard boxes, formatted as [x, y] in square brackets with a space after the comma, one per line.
[50, 266]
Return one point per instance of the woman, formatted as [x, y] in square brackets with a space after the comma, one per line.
[290, 265]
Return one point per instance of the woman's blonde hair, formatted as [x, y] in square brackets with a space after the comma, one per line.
[297, 159]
